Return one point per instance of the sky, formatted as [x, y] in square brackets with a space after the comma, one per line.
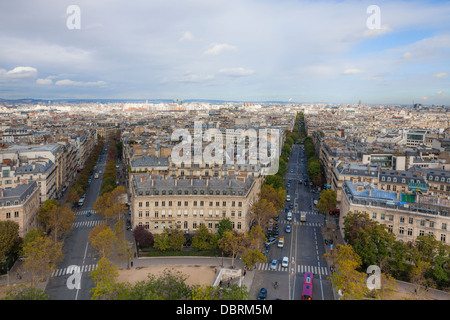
[240, 50]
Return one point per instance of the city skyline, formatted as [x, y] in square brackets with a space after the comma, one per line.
[296, 51]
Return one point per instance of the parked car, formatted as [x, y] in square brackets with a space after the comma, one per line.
[262, 294]
[285, 262]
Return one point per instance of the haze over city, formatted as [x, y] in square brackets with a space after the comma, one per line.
[293, 51]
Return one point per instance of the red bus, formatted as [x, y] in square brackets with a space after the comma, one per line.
[307, 286]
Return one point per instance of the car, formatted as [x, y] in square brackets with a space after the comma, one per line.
[285, 262]
[288, 228]
[274, 264]
[262, 294]
[88, 214]
[275, 233]
[271, 240]
[316, 202]
[292, 170]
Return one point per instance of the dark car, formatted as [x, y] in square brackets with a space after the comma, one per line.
[262, 294]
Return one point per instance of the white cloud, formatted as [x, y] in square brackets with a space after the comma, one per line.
[353, 71]
[441, 75]
[407, 55]
[220, 48]
[18, 73]
[68, 82]
[187, 36]
[440, 92]
[44, 81]
[236, 72]
[194, 78]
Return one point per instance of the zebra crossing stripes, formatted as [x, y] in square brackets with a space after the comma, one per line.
[83, 212]
[266, 266]
[300, 268]
[312, 269]
[88, 223]
[302, 224]
[63, 271]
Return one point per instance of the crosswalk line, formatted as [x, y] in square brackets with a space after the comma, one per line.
[63, 271]
[300, 268]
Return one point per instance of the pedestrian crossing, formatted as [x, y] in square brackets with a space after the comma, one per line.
[87, 224]
[84, 212]
[70, 270]
[299, 268]
[302, 224]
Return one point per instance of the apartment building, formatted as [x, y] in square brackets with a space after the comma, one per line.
[21, 205]
[158, 203]
[406, 220]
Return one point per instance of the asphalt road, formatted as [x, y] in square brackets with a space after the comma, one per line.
[303, 246]
[71, 281]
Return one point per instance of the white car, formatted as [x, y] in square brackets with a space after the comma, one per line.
[285, 262]
[273, 265]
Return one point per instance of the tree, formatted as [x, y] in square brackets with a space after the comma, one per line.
[252, 256]
[275, 196]
[275, 181]
[104, 277]
[347, 278]
[209, 292]
[224, 225]
[42, 255]
[232, 243]
[103, 239]
[204, 239]
[9, 237]
[262, 211]
[161, 241]
[60, 220]
[176, 238]
[169, 285]
[143, 237]
[46, 211]
[22, 292]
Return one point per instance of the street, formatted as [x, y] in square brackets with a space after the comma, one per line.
[303, 245]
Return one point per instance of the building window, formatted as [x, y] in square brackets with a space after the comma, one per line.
[444, 226]
[374, 215]
[156, 214]
[431, 224]
[382, 216]
[401, 230]
[239, 226]
[147, 225]
[421, 232]
[147, 214]
[140, 214]
[422, 223]
[185, 224]
[410, 220]
[140, 204]
[8, 215]
[443, 237]
[402, 219]
[409, 232]
[16, 214]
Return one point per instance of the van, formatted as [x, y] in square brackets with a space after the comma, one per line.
[289, 216]
[81, 202]
[288, 198]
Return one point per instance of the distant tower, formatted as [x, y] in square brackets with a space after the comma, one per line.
[359, 103]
